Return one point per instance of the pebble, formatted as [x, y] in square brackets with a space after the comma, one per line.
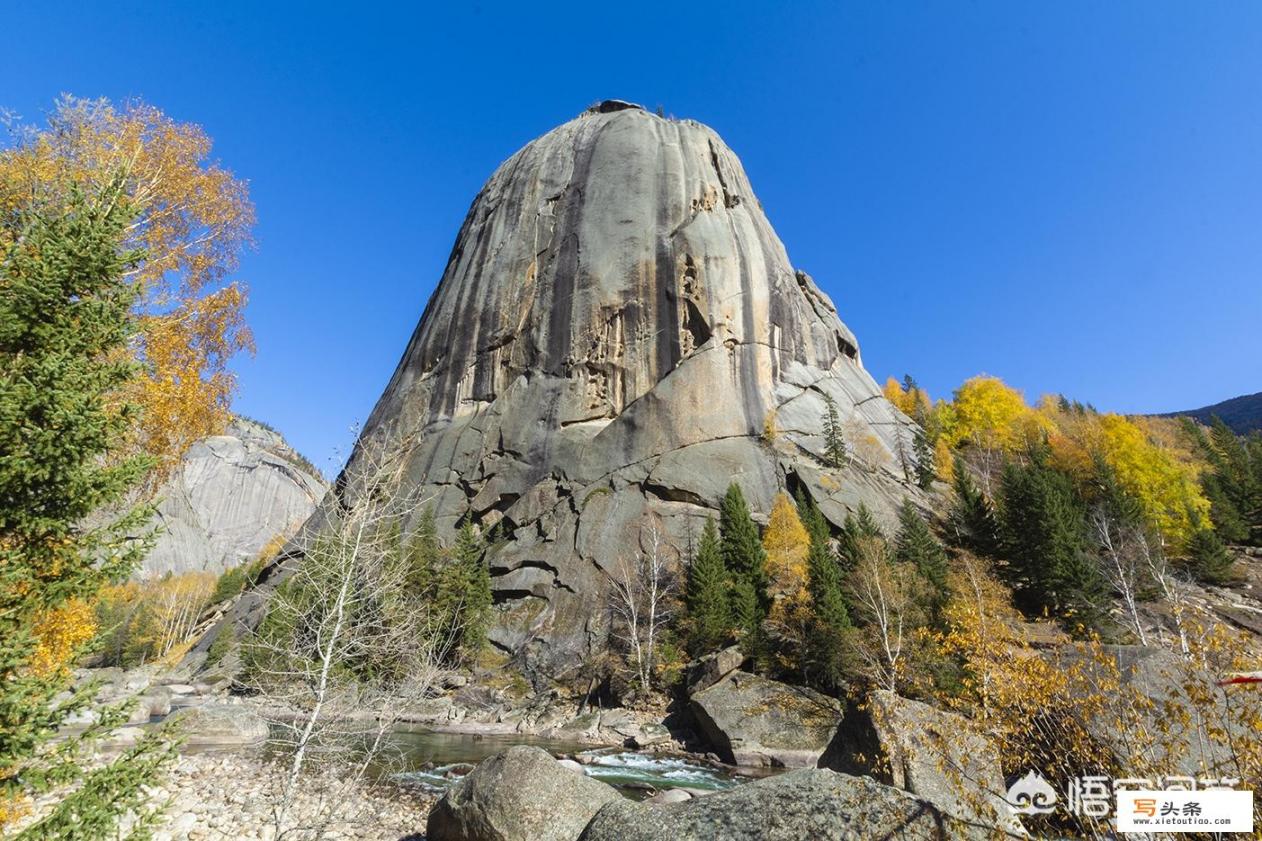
[221, 797]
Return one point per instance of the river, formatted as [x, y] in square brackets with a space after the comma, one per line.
[436, 759]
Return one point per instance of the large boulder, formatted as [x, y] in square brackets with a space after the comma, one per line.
[751, 720]
[521, 794]
[814, 804]
[616, 326]
[934, 754]
[212, 725]
[1158, 711]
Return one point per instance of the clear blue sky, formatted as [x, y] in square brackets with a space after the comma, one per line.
[1065, 194]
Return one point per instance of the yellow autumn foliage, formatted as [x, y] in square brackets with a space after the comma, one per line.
[943, 460]
[194, 218]
[1167, 490]
[988, 413]
[148, 620]
[786, 543]
[60, 633]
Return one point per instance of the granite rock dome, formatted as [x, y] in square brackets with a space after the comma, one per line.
[616, 328]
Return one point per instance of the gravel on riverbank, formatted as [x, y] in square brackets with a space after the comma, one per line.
[217, 797]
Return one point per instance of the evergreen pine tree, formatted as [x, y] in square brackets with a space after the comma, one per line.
[745, 561]
[915, 544]
[1234, 483]
[858, 524]
[972, 523]
[469, 552]
[1045, 530]
[424, 555]
[834, 440]
[65, 324]
[922, 448]
[828, 645]
[709, 610]
[1208, 559]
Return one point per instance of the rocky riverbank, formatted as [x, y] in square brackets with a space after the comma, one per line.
[224, 797]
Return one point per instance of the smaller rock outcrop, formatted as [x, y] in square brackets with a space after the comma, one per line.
[810, 803]
[522, 794]
[751, 720]
[1159, 679]
[931, 753]
[708, 670]
[229, 497]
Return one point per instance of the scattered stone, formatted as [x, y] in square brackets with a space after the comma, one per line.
[518, 795]
[455, 681]
[82, 718]
[126, 735]
[157, 701]
[650, 734]
[1160, 676]
[670, 795]
[751, 720]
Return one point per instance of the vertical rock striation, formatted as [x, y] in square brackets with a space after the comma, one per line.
[616, 324]
[231, 495]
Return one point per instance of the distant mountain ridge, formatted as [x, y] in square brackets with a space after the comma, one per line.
[1243, 414]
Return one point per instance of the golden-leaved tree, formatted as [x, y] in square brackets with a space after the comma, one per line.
[787, 544]
[991, 415]
[1167, 489]
[192, 220]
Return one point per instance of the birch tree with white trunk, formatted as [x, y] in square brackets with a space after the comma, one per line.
[344, 651]
[643, 601]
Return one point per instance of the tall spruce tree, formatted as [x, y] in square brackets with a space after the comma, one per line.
[65, 323]
[424, 556]
[1208, 559]
[1045, 532]
[828, 643]
[464, 591]
[709, 608]
[746, 563]
[858, 524]
[922, 449]
[972, 524]
[915, 544]
[1233, 484]
[834, 438]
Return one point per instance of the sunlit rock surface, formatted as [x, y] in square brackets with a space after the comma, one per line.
[616, 328]
[231, 495]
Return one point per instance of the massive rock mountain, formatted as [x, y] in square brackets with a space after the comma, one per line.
[617, 329]
[231, 495]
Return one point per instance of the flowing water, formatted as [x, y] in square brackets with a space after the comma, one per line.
[435, 760]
